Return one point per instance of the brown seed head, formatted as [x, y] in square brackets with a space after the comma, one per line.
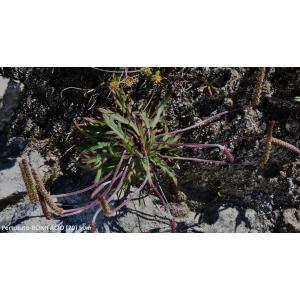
[30, 187]
[258, 87]
[42, 190]
[45, 208]
[268, 143]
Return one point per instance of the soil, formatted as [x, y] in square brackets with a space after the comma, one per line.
[53, 98]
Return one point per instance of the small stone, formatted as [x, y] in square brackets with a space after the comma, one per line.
[292, 126]
[228, 102]
[283, 174]
[11, 183]
[231, 219]
[181, 197]
[9, 99]
[179, 209]
[291, 220]
[18, 144]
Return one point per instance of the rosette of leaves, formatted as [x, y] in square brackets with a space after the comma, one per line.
[130, 128]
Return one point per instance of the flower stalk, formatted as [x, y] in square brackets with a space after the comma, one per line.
[28, 181]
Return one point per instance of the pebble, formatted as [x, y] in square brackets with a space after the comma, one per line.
[292, 126]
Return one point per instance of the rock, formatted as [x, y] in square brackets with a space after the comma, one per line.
[3, 87]
[9, 99]
[228, 102]
[26, 217]
[146, 215]
[181, 196]
[18, 144]
[12, 188]
[140, 215]
[292, 126]
[231, 220]
[179, 209]
[291, 220]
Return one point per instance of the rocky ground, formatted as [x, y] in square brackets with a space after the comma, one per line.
[38, 107]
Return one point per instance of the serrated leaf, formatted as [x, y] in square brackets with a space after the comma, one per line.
[145, 119]
[98, 146]
[171, 139]
[165, 168]
[115, 128]
[160, 109]
[119, 118]
[98, 175]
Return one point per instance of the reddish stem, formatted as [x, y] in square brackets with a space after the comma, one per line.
[82, 190]
[173, 225]
[131, 196]
[207, 161]
[162, 198]
[99, 188]
[116, 174]
[71, 212]
[119, 186]
[204, 122]
[224, 149]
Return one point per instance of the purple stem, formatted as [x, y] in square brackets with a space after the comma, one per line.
[96, 215]
[216, 162]
[92, 203]
[85, 203]
[162, 198]
[77, 211]
[173, 225]
[131, 195]
[285, 145]
[99, 188]
[116, 174]
[82, 190]
[112, 196]
[204, 122]
[224, 149]
[121, 181]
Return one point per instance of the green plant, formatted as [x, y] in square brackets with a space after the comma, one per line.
[297, 99]
[210, 86]
[157, 78]
[127, 145]
[147, 71]
[127, 132]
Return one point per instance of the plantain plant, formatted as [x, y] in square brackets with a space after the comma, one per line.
[127, 145]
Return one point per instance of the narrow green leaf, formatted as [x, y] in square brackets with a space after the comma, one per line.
[160, 109]
[164, 167]
[297, 98]
[115, 128]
